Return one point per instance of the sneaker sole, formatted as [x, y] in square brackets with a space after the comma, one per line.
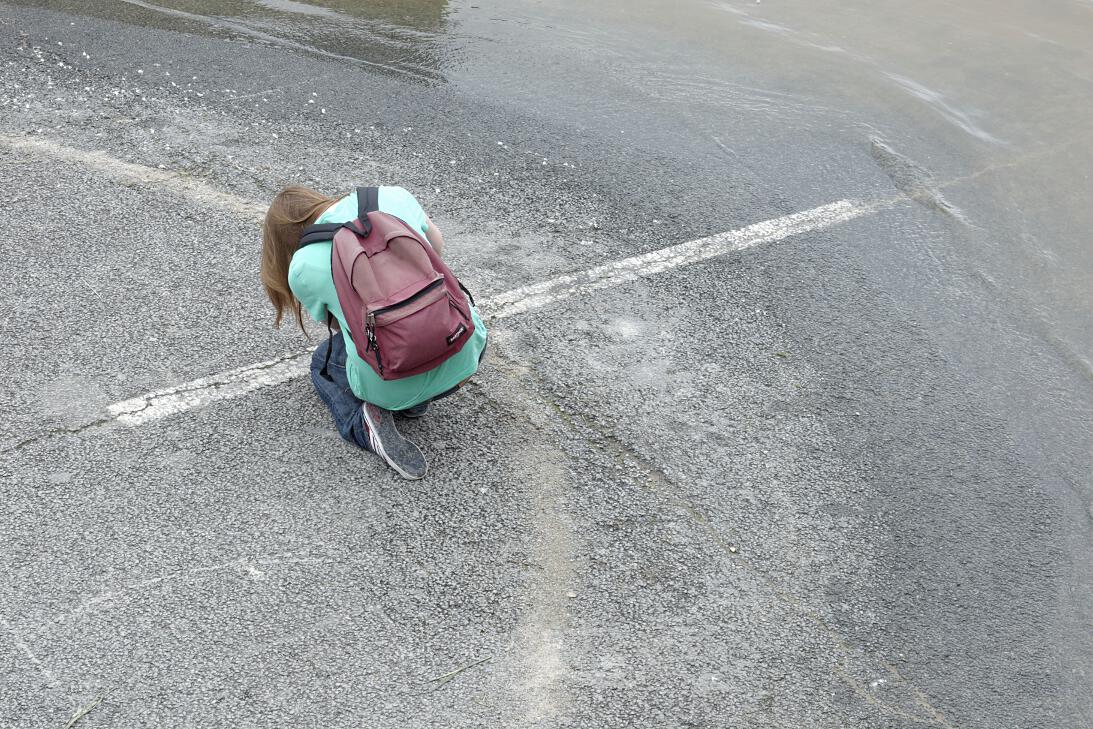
[387, 442]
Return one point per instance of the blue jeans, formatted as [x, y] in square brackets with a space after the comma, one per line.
[335, 392]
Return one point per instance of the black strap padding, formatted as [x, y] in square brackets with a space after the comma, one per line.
[319, 233]
[368, 201]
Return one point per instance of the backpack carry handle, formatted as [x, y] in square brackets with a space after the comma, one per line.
[368, 201]
[361, 227]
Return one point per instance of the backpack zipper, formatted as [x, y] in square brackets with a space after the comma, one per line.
[372, 344]
[409, 300]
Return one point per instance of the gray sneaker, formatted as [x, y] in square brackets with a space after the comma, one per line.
[385, 440]
[415, 412]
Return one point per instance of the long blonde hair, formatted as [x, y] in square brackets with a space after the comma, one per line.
[291, 211]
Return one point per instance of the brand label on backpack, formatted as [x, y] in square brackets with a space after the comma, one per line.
[457, 333]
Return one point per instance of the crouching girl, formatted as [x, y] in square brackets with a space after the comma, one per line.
[350, 376]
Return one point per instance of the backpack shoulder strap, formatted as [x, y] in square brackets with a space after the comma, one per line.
[368, 201]
[318, 233]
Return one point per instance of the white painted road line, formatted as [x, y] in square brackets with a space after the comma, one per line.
[128, 173]
[234, 383]
[538, 295]
[231, 384]
[203, 391]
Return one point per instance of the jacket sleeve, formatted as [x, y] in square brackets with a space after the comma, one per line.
[306, 280]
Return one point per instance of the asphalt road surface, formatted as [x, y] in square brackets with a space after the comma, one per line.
[833, 478]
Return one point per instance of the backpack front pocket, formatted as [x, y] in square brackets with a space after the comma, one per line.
[416, 330]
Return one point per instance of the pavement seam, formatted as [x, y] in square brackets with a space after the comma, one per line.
[540, 636]
[659, 481]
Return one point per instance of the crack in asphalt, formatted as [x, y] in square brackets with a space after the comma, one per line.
[149, 400]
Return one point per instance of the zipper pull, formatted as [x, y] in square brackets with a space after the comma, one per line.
[376, 348]
[369, 330]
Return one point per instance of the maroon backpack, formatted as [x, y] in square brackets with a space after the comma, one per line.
[405, 310]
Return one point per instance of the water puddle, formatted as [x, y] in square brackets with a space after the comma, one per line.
[406, 39]
[290, 6]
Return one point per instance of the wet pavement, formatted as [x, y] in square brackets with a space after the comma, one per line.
[839, 480]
